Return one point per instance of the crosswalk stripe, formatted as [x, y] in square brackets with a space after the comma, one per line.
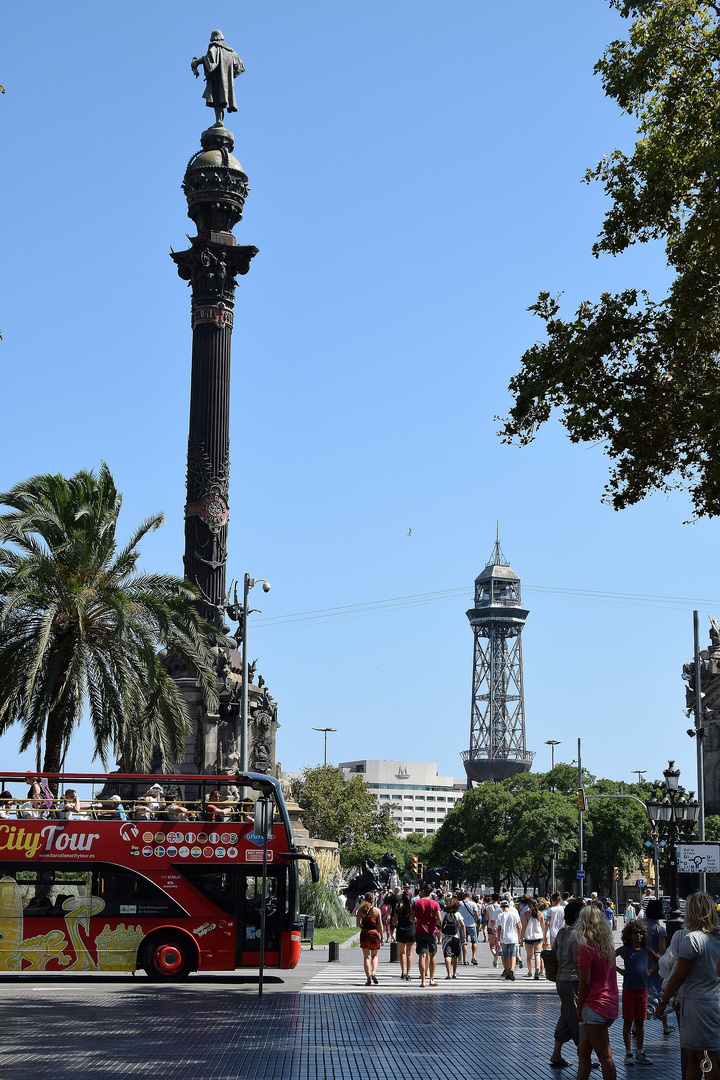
[337, 979]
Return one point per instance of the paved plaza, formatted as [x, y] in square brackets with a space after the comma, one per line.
[319, 1021]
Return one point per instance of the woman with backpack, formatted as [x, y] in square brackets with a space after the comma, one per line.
[403, 922]
[452, 928]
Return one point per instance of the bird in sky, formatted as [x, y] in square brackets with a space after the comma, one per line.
[409, 532]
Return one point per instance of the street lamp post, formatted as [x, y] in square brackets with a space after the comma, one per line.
[248, 584]
[673, 812]
[552, 743]
[325, 731]
[553, 848]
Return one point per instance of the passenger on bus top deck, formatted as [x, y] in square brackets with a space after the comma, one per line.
[6, 804]
[117, 808]
[143, 809]
[70, 806]
[174, 811]
[213, 809]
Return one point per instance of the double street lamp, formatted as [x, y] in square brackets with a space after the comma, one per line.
[674, 814]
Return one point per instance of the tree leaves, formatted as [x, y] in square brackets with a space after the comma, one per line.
[640, 376]
[344, 811]
[79, 626]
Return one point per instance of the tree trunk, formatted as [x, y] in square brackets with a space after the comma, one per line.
[54, 744]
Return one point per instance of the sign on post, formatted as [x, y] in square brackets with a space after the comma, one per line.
[698, 858]
[580, 874]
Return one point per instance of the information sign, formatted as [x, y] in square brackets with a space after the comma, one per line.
[698, 858]
[581, 874]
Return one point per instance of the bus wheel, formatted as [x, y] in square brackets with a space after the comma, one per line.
[168, 957]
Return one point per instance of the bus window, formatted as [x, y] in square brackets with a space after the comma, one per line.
[43, 891]
[127, 893]
[215, 883]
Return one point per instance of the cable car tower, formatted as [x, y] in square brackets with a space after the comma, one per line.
[497, 721]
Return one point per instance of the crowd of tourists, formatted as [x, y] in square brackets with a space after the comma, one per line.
[569, 940]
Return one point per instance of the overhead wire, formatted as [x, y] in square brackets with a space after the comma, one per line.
[272, 623]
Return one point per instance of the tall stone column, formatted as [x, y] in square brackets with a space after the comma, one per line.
[215, 186]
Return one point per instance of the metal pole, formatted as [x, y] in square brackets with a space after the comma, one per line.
[244, 697]
[580, 824]
[699, 739]
[552, 863]
[656, 855]
[325, 751]
[267, 804]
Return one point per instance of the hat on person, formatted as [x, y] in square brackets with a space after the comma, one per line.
[155, 787]
[504, 903]
[115, 798]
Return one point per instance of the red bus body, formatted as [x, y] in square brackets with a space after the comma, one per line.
[169, 896]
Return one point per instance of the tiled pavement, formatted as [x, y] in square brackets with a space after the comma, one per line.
[319, 1023]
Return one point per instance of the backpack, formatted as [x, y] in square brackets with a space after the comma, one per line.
[450, 925]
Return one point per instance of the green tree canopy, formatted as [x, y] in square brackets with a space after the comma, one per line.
[79, 625]
[344, 811]
[636, 374]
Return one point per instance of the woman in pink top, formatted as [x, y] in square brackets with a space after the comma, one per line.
[597, 991]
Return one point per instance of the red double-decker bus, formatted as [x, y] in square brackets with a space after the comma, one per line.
[174, 888]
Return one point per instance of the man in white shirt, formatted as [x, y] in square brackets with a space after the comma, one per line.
[506, 928]
[470, 916]
[555, 917]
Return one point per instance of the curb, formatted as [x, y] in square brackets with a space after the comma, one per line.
[343, 944]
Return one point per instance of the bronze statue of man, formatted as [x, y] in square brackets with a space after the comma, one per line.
[222, 66]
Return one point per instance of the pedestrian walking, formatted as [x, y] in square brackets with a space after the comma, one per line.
[507, 926]
[566, 984]
[453, 936]
[427, 923]
[493, 912]
[697, 977]
[597, 1006]
[555, 917]
[404, 924]
[637, 958]
[657, 940]
[470, 914]
[533, 936]
[369, 920]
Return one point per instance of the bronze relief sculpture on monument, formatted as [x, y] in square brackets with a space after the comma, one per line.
[216, 186]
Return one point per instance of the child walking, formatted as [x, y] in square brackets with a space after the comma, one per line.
[637, 957]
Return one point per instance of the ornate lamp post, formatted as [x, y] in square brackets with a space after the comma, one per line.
[673, 814]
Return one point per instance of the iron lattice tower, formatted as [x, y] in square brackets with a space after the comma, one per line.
[497, 721]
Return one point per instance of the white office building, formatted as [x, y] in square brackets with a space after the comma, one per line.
[418, 797]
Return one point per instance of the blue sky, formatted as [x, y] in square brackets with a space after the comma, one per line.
[416, 180]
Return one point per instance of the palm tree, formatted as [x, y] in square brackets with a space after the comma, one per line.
[80, 626]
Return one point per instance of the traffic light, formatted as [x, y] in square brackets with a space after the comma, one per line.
[584, 856]
[616, 873]
[414, 865]
[421, 869]
[581, 799]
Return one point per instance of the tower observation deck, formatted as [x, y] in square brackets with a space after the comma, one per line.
[497, 722]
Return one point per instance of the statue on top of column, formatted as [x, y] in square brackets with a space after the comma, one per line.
[222, 66]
